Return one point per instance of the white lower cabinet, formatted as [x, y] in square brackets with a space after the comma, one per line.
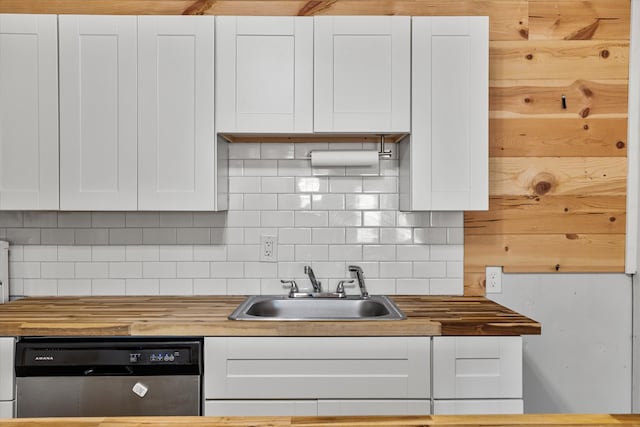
[478, 406]
[249, 408]
[374, 407]
[7, 378]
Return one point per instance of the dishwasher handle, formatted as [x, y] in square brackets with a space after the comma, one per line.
[108, 370]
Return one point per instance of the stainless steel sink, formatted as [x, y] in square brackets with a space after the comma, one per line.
[278, 307]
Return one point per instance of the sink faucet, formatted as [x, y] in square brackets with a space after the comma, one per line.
[360, 277]
[317, 286]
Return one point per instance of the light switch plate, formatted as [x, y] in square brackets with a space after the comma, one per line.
[493, 277]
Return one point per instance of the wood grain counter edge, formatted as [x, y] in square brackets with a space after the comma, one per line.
[360, 421]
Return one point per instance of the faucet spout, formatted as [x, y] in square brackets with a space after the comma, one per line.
[317, 286]
[360, 277]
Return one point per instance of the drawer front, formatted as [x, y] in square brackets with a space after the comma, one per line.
[314, 368]
[477, 367]
[260, 408]
[478, 406]
[374, 407]
[7, 383]
[6, 409]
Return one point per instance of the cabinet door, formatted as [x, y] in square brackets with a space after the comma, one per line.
[260, 408]
[313, 368]
[98, 113]
[477, 367]
[7, 381]
[264, 74]
[28, 112]
[478, 406]
[6, 409]
[362, 73]
[176, 145]
[448, 159]
[374, 407]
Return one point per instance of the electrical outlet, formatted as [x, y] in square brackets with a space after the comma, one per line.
[493, 280]
[268, 248]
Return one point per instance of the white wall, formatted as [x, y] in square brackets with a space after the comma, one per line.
[582, 361]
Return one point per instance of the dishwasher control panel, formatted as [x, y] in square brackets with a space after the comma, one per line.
[156, 356]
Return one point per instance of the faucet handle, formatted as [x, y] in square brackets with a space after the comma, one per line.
[292, 285]
[340, 288]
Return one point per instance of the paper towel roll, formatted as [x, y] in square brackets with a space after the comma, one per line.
[323, 158]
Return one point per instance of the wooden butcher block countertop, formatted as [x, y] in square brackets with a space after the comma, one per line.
[385, 421]
[207, 316]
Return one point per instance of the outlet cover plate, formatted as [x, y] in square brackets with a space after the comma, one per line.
[268, 248]
[493, 277]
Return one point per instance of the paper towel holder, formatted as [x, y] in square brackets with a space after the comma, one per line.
[383, 153]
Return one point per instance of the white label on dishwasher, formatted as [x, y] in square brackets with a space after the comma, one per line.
[140, 389]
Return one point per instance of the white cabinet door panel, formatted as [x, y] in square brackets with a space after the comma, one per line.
[28, 112]
[362, 73]
[264, 74]
[7, 409]
[474, 407]
[477, 367]
[176, 145]
[260, 408]
[303, 367]
[7, 382]
[98, 112]
[374, 407]
[449, 133]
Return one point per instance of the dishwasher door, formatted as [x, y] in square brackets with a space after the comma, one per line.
[104, 396]
[65, 377]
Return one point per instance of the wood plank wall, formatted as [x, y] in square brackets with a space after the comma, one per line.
[557, 175]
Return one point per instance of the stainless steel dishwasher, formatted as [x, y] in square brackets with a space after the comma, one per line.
[60, 377]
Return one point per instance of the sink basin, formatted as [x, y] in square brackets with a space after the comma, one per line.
[278, 307]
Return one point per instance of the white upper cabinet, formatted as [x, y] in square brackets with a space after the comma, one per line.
[362, 73]
[176, 140]
[28, 112]
[264, 74]
[446, 162]
[98, 112]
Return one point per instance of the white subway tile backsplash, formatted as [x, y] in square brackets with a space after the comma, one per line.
[108, 287]
[74, 287]
[92, 270]
[176, 286]
[40, 253]
[209, 286]
[264, 202]
[142, 287]
[111, 253]
[447, 252]
[125, 270]
[311, 184]
[412, 253]
[162, 270]
[193, 269]
[328, 218]
[395, 270]
[281, 184]
[413, 287]
[345, 219]
[328, 236]
[309, 253]
[395, 236]
[40, 287]
[345, 252]
[362, 235]
[446, 286]
[210, 253]
[311, 219]
[260, 168]
[276, 219]
[244, 151]
[277, 150]
[362, 201]
[57, 270]
[243, 287]
[74, 253]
